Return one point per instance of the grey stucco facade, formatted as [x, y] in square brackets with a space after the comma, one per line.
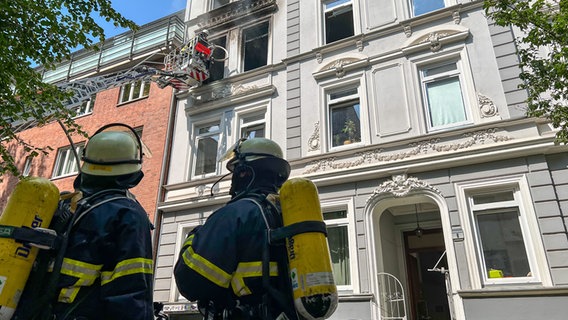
[490, 191]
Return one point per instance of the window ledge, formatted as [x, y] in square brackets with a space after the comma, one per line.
[83, 115]
[64, 176]
[513, 292]
[354, 297]
[435, 38]
[131, 101]
[230, 94]
[338, 68]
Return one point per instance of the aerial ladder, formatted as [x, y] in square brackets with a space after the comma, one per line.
[23, 225]
[184, 67]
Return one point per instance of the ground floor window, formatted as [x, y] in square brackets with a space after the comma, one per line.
[504, 232]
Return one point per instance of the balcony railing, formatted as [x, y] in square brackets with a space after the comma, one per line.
[158, 34]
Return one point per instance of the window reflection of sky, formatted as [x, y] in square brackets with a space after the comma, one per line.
[425, 6]
[333, 4]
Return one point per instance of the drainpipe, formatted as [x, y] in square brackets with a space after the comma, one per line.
[163, 175]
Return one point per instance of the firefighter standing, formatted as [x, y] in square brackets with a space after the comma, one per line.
[107, 267]
[221, 263]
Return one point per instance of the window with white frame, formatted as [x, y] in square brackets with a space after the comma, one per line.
[206, 143]
[338, 20]
[443, 95]
[182, 233]
[420, 7]
[338, 217]
[134, 91]
[27, 166]
[66, 163]
[86, 107]
[217, 66]
[253, 125]
[344, 116]
[503, 238]
[338, 240]
[255, 46]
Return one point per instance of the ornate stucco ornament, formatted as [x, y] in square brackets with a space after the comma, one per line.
[456, 16]
[434, 39]
[200, 190]
[429, 146]
[314, 140]
[486, 106]
[401, 186]
[230, 90]
[407, 30]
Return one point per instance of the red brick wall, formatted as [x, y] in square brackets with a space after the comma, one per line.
[151, 113]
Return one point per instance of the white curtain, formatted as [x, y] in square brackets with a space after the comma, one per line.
[445, 102]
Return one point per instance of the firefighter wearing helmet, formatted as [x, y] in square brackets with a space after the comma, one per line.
[106, 268]
[227, 264]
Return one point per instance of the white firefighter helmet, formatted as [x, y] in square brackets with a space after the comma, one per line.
[248, 151]
[113, 150]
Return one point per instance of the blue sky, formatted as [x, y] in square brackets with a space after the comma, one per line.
[141, 12]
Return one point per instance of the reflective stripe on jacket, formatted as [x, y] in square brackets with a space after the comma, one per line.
[107, 269]
[222, 260]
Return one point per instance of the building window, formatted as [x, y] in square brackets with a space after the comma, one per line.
[206, 142]
[138, 131]
[27, 166]
[217, 68]
[66, 164]
[442, 88]
[253, 126]
[133, 91]
[338, 240]
[183, 232]
[219, 3]
[420, 7]
[344, 117]
[255, 46]
[504, 233]
[86, 107]
[338, 20]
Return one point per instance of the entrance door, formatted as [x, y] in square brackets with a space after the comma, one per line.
[427, 289]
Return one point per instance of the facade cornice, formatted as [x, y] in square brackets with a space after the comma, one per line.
[436, 162]
[358, 41]
[229, 94]
[233, 14]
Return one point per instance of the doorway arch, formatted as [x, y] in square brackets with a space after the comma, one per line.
[393, 213]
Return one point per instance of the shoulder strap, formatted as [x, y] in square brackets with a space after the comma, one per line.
[276, 295]
[89, 203]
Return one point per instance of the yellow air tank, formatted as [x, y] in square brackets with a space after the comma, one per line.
[315, 293]
[32, 204]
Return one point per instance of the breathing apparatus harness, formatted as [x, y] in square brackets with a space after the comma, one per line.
[266, 199]
[36, 302]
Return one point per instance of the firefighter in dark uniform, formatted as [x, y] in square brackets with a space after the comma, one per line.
[107, 267]
[227, 264]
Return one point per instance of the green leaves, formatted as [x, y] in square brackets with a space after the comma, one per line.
[543, 55]
[41, 32]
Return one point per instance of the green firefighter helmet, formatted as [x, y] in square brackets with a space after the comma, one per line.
[113, 150]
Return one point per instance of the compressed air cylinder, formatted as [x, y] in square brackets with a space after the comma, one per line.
[315, 293]
[32, 204]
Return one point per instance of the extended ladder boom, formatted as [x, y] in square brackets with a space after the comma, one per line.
[184, 68]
